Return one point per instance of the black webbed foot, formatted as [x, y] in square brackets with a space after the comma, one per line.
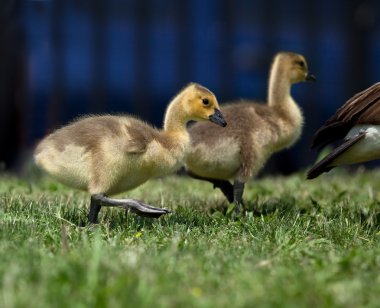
[143, 209]
[138, 207]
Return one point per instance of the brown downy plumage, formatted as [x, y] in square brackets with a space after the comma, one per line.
[108, 154]
[357, 124]
[254, 132]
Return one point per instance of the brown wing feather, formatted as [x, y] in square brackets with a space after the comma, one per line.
[362, 108]
[358, 105]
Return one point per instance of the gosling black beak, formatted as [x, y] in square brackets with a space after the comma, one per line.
[218, 118]
[310, 77]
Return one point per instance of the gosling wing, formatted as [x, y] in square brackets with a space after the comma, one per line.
[140, 135]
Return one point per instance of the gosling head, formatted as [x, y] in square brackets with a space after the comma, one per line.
[201, 104]
[296, 66]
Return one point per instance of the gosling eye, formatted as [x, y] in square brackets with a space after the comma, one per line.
[301, 63]
[205, 101]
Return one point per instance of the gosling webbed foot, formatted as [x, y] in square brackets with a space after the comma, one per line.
[138, 207]
[143, 209]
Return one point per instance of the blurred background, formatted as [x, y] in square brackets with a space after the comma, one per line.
[64, 58]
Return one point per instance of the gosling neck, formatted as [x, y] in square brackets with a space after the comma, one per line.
[279, 86]
[175, 120]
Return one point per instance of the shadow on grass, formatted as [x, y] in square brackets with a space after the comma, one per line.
[119, 218]
[199, 216]
[258, 208]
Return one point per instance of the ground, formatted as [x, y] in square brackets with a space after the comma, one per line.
[300, 244]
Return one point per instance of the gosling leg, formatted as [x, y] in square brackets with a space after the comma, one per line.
[225, 186]
[94, 211]
[238, 196]
[135, 206]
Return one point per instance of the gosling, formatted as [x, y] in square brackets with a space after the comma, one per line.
[255, 131]
[357, 125]
[109, 154]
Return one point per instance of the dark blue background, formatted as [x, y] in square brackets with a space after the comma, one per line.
[62, 58]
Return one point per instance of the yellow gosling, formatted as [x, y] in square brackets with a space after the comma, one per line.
[254, 132]
[109, 154]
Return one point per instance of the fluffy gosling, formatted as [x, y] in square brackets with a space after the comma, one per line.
[110, 154]
[255, 131]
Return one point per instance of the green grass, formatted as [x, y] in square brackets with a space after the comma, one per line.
[300, 244]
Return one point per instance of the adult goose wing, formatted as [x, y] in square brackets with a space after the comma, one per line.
[362, 108]
[325, 164]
